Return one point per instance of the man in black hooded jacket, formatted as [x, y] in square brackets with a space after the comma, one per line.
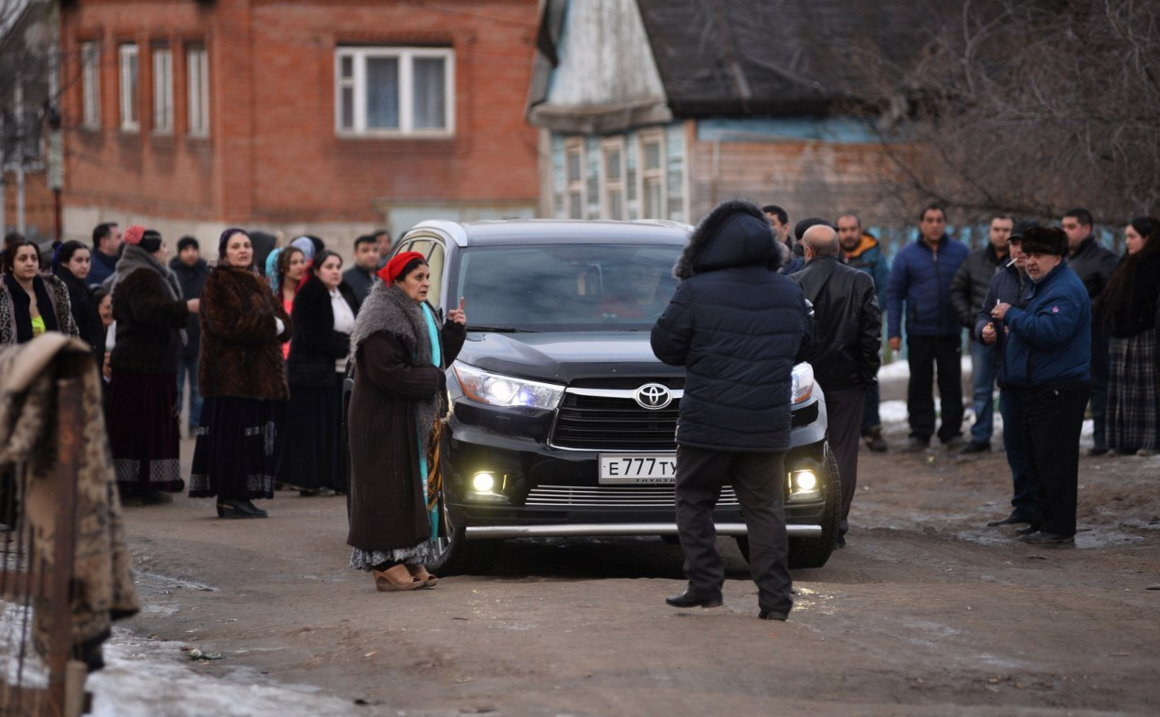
[738, 327]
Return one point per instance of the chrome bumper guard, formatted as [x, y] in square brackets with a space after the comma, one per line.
[593, 530]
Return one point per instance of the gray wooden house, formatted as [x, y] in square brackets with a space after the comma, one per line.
[662, 108]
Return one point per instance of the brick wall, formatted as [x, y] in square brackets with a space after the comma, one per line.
[273, 158]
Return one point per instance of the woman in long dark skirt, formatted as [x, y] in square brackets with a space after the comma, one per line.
[323, 317]
[151, 316]
[242, 380]
[400, 349]
[1130, 309]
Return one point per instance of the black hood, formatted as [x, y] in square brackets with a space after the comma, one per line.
[735, 233]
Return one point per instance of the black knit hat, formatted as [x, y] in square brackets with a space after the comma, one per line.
[1021, 228]
[1045, 240]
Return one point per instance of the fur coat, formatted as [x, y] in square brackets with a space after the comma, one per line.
[150, 315]
[316, 345]
[241, 352]
[58, 296]
[398, 395]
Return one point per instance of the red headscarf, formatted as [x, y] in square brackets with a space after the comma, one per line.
[395, 266]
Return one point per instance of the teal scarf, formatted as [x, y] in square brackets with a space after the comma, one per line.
[437, 361]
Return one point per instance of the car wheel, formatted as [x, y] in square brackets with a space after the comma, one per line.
[455, 554]
[814, 552]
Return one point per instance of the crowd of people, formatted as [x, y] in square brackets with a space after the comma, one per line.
[262, 338]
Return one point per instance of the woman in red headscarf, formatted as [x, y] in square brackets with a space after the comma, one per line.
[400, 349]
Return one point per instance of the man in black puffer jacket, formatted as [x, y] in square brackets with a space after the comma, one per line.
[847, 336]
[738, 327]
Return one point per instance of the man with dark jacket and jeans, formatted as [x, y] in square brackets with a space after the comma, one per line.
[1045, 359]
[1093, 264]
[967, 291]
[738, 327]
[1008, 286]
[864, 253]
[847, 338]
[921, 280]
[191, 271]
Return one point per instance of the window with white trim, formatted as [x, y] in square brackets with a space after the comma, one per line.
[128, 90]
[162, 90]
[395, 91]
[90, 85]
[574, 178]
[612, 178]
[652, 175]
[197, 84]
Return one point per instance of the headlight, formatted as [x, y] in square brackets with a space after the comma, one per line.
[803, 485]
[496, 390]
[801, 383]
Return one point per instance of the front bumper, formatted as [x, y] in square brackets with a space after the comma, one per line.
[542, 491]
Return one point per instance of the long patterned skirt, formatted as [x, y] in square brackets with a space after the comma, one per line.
[236, 453]
[1134, 393]
[143, 432]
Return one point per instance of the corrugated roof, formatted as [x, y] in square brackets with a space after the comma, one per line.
[778, 57]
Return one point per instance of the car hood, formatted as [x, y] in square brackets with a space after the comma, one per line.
[565, 356]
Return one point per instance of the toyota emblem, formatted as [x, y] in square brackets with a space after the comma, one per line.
[653, 396]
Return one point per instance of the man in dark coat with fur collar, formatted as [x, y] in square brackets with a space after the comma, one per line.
[738, 327]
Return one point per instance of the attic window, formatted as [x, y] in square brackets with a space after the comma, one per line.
[394, 91]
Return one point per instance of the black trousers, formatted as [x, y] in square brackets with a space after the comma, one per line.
[844, 412]
[759, 481]
[925, 354]
[1049, 429]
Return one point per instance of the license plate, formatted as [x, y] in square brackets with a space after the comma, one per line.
[638, 468]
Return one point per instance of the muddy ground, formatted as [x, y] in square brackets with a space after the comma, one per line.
[925, 612]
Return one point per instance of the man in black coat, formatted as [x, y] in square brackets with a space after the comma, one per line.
[191, 271]
[1093, 264]
[967, 291]
[738, 328]
[847, 336]
[360, 277]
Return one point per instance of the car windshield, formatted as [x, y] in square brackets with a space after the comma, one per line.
[566, 287]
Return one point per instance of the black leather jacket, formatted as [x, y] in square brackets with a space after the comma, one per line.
[847, 333]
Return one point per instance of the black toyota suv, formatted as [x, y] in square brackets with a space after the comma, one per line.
[562, 420]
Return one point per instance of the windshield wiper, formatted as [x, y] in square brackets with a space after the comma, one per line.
[500, 329]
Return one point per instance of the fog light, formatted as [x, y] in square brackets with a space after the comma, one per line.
[805, 481]
[483, 482]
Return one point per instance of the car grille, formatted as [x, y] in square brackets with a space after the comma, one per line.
[613, 496]
[614, 424]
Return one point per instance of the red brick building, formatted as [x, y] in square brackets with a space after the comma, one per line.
[300, 116]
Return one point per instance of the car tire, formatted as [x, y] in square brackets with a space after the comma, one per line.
[814, 552]
[456, 555]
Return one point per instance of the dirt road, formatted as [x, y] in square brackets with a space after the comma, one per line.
[925, 612]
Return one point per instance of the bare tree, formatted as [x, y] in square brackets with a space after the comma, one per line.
[1032, 106]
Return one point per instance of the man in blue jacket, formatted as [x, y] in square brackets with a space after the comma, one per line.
[738, 328]
[921, 280]
[1046, 360]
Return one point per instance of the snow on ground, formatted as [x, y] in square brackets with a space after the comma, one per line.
[156, 678]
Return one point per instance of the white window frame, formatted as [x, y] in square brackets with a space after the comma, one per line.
[610, 186]
[129, 89]
[90, 84]
[577, 186]
[647, 176]
[162, 90]
[357, 83]
[197, 86]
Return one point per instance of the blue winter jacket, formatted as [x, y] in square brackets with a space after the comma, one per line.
[1050, 338]
[738, 328]
[922, 278]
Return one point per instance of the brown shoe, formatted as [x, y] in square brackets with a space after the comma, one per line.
[419, 572]
[394, 579]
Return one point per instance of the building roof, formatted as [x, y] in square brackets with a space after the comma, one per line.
[720, 58]
[762, 57]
